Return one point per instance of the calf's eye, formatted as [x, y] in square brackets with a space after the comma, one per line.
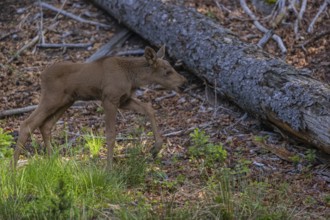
[168, 73]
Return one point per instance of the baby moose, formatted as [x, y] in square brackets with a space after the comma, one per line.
[113, 80]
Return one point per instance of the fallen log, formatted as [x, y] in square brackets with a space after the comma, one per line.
[262, 85]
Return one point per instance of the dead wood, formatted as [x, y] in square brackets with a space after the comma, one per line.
[26, 46]
[321, 9]
[262, 85]
[106, 49]
[261, 28]
[79, 45]
[17, 111]
[299, 18]
[8, 34]
[314, 38]
[130, 52]
[70, 15]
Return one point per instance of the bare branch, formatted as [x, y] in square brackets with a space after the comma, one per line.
[265, 38]
[70, 15]
[130, 52]
[299, 18]
[186, 131]
[42, 37]
[314, 38]
[81, 45]
[321, 9]
[17, 111]
[8, 34]
[116, 39]
[172, 94]
[221, 6]
[28, 45]
[22, 110]
[261, 27]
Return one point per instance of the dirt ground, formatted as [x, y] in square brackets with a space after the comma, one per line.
[20, 22]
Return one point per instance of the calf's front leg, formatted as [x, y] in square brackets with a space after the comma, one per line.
[110, 129]
[146, 109]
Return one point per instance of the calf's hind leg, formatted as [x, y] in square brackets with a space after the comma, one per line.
[46, 127]
[35, 120]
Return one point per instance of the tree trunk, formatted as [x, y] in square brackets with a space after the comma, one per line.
[260, 84]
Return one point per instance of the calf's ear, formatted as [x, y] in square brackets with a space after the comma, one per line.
[150, 55]
[161, 52]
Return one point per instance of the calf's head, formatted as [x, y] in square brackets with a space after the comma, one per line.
[162, 71]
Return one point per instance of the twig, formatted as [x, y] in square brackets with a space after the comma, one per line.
[184, 131]
[22, 110]
[26, 46]
[70, 15]
[299, 18]
[118, 138]
[8, 34]
[222, 7]
[172, 94]
[278, 14]
[116, 39]
[61, 8]
[17, 111]
[314, 38]
[293, 7]
[261, 27]
[321, 9]
[265, 38]
[130, 52]
[237, 122]
[81, 45]
[279, 151]
[42, 37]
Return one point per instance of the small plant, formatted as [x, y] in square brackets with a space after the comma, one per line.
[261, 138]
[202, 149]
[327, 199]
[94, 144]
[295, 159]
[242, 167]
[6, 140]
[311, 155]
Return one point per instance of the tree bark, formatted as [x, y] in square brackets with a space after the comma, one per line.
[262, 85]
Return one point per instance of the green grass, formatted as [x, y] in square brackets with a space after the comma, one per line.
[137, 188]
[54, 188]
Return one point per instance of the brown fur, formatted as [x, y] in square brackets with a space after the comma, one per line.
[113, 80]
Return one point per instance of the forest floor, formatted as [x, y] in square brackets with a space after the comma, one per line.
[265, 154]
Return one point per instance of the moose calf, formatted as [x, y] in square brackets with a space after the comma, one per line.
[113, 80]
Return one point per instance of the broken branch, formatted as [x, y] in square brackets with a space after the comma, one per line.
[265, 38]
[28, 45]
[321, 9]
[130, 52]
[105, 50]
[299, 18]
[8, 34]
[261, 28]
[22, 110]
[81, 45]
[185, 131]
[314, 38]
[70, 15]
